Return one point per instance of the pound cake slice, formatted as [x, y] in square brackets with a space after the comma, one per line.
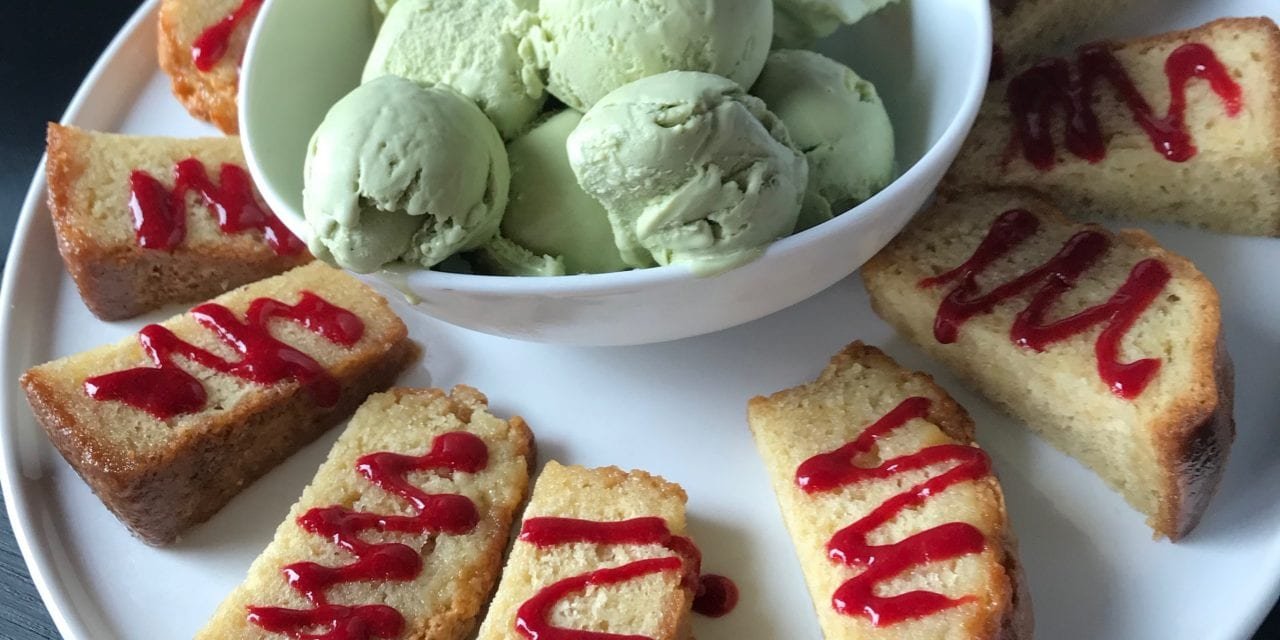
[167, 426]
[400, 534]
[201, 43]
[898, 521]
[600, 553]
[143, 222]
[1106, 344]
[1182, 127]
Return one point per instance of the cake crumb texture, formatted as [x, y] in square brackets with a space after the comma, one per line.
[860, 386]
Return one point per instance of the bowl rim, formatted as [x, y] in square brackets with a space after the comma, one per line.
[420, 279]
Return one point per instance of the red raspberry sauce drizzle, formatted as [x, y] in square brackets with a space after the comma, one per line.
[833, 470]
[166, 390]
[211, 45]
[450, 514]
[717, 595]
[1036, 93]
[1056, 277]
[160, 213]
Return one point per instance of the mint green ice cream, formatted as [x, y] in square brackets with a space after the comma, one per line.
[840, 122]
[595, 46]
[548, 212]
[397, 171]
[690, 169]
[799, 23]
[477, 47]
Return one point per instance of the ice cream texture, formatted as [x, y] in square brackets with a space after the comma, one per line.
[798, 23]
[398, 171]
[839, 121]
[477, 47]
[548, 213]
[690, 169]
[595, 46]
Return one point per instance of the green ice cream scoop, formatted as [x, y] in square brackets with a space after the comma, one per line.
[397, 171]
[548, 212]
[838, 120]
[595, 46]
[798, 23]
[477, 47]
[690, 169]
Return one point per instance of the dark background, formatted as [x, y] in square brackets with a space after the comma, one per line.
[46, 48]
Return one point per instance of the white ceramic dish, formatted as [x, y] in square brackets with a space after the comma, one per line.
[928, 58]
[675, 409]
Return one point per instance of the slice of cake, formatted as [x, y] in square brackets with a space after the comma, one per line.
[1182, 127]
[1106, 344]
[143, 222]
[167, 426]
[898, 521]
[400, 534]
[600, 552]
[201, 43]
[1025, 29]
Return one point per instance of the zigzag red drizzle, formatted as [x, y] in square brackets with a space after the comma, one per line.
[393, 562]
[533, 617]
[166, 390]
[833, 470]
[1056, 276]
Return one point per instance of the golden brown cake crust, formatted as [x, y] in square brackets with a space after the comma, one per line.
[1193, 433]
[119, 280]
[211, 95]
[164, 490]
[1011, 618]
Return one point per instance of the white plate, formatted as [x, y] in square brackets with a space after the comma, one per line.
[675, 409]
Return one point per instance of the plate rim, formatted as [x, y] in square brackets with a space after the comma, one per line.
[58, 602]
[52, 593]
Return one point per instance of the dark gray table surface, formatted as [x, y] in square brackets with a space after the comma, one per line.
[42, 61]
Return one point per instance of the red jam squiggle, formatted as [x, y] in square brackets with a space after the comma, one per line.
[1035, 94]
[386, 562]
[166, 390]
[211, 45]
[160, 213]
[716, 595]
[1055, 277]
[836, 469]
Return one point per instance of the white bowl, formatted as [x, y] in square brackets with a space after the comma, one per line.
[928, 58]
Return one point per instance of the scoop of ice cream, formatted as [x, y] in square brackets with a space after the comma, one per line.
[690, 169]
[548, 212]
[478, 48]
[595, 46]
[838, 120]
[798, 23]
[397, 171]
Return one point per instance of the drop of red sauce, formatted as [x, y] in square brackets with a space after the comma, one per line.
[212, 44]
[160, 214]
[717, 596]
[533, 617]
[1036, 94]
[166, 390]
[833, 470]
[376, 562]
[1054, 278]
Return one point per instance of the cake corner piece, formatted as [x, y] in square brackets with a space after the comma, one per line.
[1031, 308]
[166, 442]
[865, 407]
